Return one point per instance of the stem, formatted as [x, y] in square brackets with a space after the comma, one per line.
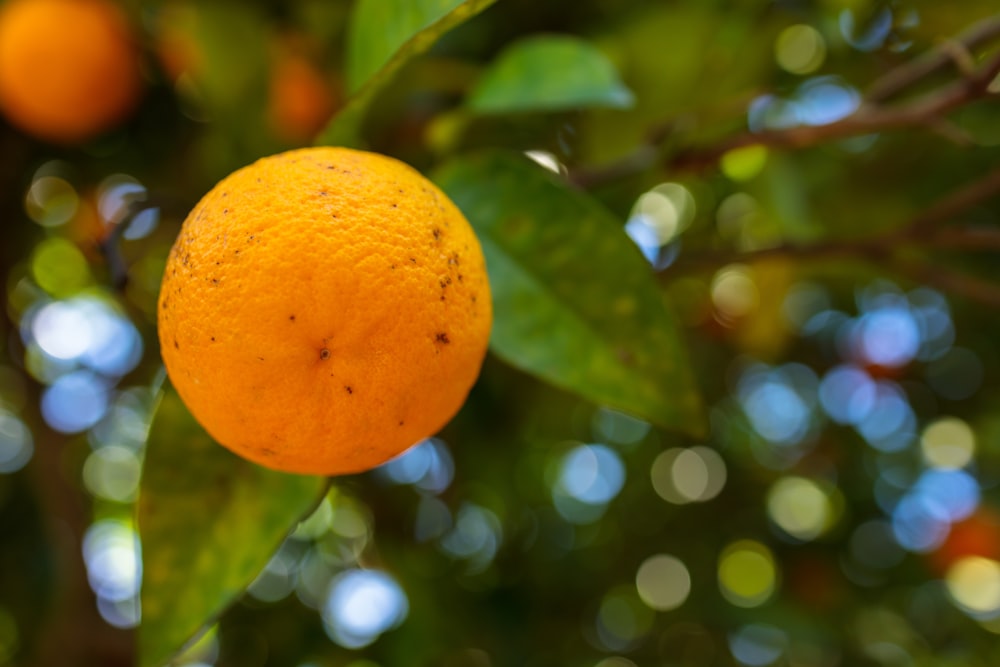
[927, 111]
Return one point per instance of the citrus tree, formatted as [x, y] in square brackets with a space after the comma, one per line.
[739, 299]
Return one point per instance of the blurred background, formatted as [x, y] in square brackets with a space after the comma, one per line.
[845, 508]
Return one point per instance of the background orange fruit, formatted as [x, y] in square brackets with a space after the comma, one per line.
[301, 98]
[68, 68]
[324, 309]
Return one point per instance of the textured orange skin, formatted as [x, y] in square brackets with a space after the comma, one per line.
[324, 309]
[68, 68]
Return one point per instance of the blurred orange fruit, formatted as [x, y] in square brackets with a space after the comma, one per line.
[69, 69]
[977, 535]
[300, 99]
[323, 309]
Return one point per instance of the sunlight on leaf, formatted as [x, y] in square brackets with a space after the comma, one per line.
[548, 251]
[551, 73]
[209, 522]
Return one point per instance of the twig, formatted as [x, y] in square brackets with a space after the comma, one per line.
[929, 110]
[975, 289]
[957, 202]
[923, 231]
[904, 76]
[923, 111]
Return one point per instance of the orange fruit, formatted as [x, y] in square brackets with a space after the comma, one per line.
[301, 99]
[323, 309]
[69, 69]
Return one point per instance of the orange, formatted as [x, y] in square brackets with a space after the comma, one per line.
[301, 99]
[69, 69]
[323, 309]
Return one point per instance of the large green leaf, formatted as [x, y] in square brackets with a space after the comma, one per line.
[209, 523]
[384, 35]
[575, 302]
[549, 73]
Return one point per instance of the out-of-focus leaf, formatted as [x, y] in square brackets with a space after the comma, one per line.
[550, 73]
[209, 522]
[575, 302]
[383, 36]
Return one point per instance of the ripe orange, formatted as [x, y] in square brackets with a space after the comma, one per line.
[323, 309]
[300, 100]
[68, 68]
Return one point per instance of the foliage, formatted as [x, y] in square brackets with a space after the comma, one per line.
[739, 407]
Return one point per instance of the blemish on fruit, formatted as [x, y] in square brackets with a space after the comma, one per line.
[442, 338]
[348, 389]
[291, 317]
[324, 354]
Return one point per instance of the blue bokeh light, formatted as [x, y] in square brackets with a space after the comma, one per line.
[847, 394]
[75, 401]
[361, 605]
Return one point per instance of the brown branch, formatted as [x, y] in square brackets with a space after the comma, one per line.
[975, 289]
[908, 74]
[923, 232]
[929, 110]
[957, 202]
[924, 111]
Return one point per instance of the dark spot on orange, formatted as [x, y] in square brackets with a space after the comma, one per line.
[322, 193]
[400, 422]
[395, 205]
[215, 281]
[213, 339]
[261, 358]
[291, 317]
[437, 234]
[442, 338]
[225, 210]
[413, 259]
[267, 452]
[460, 277]
[348, 388]
[324, 354]
[177, 345]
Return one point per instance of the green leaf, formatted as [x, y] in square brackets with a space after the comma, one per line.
[384, 35]
[575, 302]
[549, 73]
[209, 522]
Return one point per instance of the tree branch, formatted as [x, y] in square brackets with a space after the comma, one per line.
[925, 111]
[904, 76]
[922, 232]
[929, 110]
